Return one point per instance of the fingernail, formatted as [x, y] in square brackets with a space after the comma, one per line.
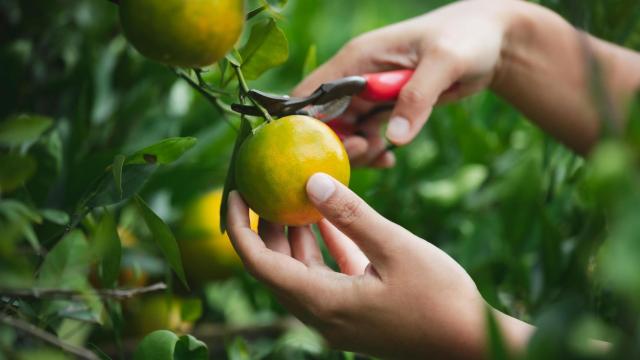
[398, 129]
[320, 186]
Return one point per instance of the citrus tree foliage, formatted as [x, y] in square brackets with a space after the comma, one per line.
[101, 150]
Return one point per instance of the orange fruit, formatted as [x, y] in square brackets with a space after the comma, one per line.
[186, 33]
[155, 312]
[275, 162]
[207, 253]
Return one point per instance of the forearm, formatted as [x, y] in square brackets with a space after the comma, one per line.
[545, 72]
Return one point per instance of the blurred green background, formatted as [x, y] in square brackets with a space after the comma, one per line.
[523, 215]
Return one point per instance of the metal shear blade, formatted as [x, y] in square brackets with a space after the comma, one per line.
[339, 91]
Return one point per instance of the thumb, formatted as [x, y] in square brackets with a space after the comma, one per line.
[379, 238]
[417, 98]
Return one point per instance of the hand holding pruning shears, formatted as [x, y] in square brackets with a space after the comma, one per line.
[330, 100]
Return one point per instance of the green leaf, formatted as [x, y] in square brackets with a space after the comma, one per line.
[190, 348]
[302, 338]
[66, 266]
[234, 57]
[12, 207]
[163, 237]
[470, 177]
[116, 169]
[238, 349]
[266, 48]
[23, 129]
[163, 152]
[108, 249]
[310, 61]
[159, 345]
[191, 310]
[165, 345]
[230, 181]
[55, 216]
[15, 170]
[133, 179]
[20, 219]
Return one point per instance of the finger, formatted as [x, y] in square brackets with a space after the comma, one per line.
[350, 60]
[384, 161]
[304, 246]
[356, 147]
[377, 146]
[416, 100]
[357, 57]
[350, 259]
[380, 239]
[275, 269]
[273, 236]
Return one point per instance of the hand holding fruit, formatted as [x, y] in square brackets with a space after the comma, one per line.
[396, 295]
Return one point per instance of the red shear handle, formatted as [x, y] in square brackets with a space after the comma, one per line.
[385, 86]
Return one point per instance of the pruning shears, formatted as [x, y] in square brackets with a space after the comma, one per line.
[331, 99]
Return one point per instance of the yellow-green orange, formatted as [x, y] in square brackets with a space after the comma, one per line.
[155, 312]
[186, 33]
[275, 162]
[207, 253]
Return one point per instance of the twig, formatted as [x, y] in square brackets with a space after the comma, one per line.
[47, 337]
[204, 91]
[213, 100]
[64, 293]
[245, 89]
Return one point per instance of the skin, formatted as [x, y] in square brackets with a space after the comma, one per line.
[525, 53]
[396, 295]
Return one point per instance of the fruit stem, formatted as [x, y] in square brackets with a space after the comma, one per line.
[245, 90]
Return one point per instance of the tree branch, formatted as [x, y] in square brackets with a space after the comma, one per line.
[245, 90]
[64, 293]
[47, 337]
[213, 100]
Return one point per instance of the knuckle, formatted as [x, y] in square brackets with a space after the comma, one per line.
[412, 95]
[455, 57]
[354, 46]
[349, 212]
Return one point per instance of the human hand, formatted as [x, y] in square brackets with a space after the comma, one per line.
[395, 296]
[455, 52]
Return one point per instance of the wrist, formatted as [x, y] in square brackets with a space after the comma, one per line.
[521, 40]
